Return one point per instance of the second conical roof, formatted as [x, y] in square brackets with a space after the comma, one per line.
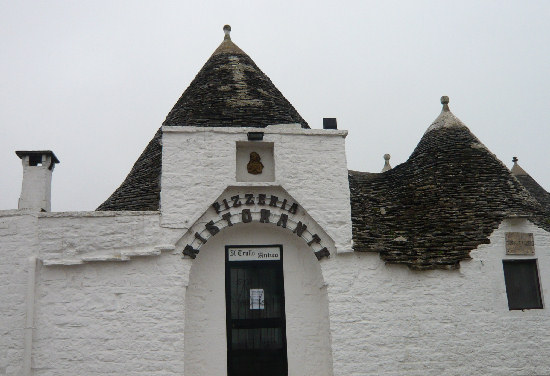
[444, 201]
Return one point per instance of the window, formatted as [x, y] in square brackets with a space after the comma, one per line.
[522, 284]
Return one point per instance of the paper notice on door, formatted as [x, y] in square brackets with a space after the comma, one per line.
[256, 298]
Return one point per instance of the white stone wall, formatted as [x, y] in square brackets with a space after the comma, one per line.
[17, 244]
[65, 292]
[76, 237]
[111, 318]
[199, 163]
[389, 320]
[131, 317]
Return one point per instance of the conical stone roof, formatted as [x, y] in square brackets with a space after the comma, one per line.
[444, 201]
[141, 188]
[229, 91]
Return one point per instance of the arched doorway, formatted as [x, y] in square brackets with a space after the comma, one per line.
[296, 304]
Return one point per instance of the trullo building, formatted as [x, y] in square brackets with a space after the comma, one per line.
[240, 244]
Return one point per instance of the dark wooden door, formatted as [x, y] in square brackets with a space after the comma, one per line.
[255, 308]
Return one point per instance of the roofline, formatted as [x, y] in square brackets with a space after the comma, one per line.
[293, 128]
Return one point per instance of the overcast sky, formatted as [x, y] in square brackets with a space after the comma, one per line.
[93, 80]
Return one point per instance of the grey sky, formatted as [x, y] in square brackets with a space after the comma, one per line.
[93, 80]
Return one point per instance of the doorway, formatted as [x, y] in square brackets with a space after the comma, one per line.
[255, 310]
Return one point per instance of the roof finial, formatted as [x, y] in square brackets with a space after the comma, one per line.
[445, 103]
[516, 169]
[227, 31]
[386, 163]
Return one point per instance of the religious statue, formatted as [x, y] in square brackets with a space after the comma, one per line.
[254, 166]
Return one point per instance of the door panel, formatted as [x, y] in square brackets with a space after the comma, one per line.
[243, 279]
[256, 338]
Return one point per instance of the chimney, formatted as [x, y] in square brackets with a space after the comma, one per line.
[329, 123]
[36, 189]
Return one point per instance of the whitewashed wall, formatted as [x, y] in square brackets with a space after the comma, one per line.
[63, 240]
[130, 317]
[76, 237]
[199, 163]
[111, 318]
[389, 320]
[17, 244]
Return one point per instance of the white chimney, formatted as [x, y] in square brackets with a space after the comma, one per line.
[36, 189]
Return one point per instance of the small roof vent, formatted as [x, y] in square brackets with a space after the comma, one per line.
[329, 123]
[255, 136]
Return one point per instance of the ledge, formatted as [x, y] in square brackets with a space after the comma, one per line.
[106, 256]
[271, 129]
[126, 213]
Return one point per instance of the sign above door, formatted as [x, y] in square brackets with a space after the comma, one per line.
[254, 253]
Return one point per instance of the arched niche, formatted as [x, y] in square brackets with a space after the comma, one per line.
[306, 303]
